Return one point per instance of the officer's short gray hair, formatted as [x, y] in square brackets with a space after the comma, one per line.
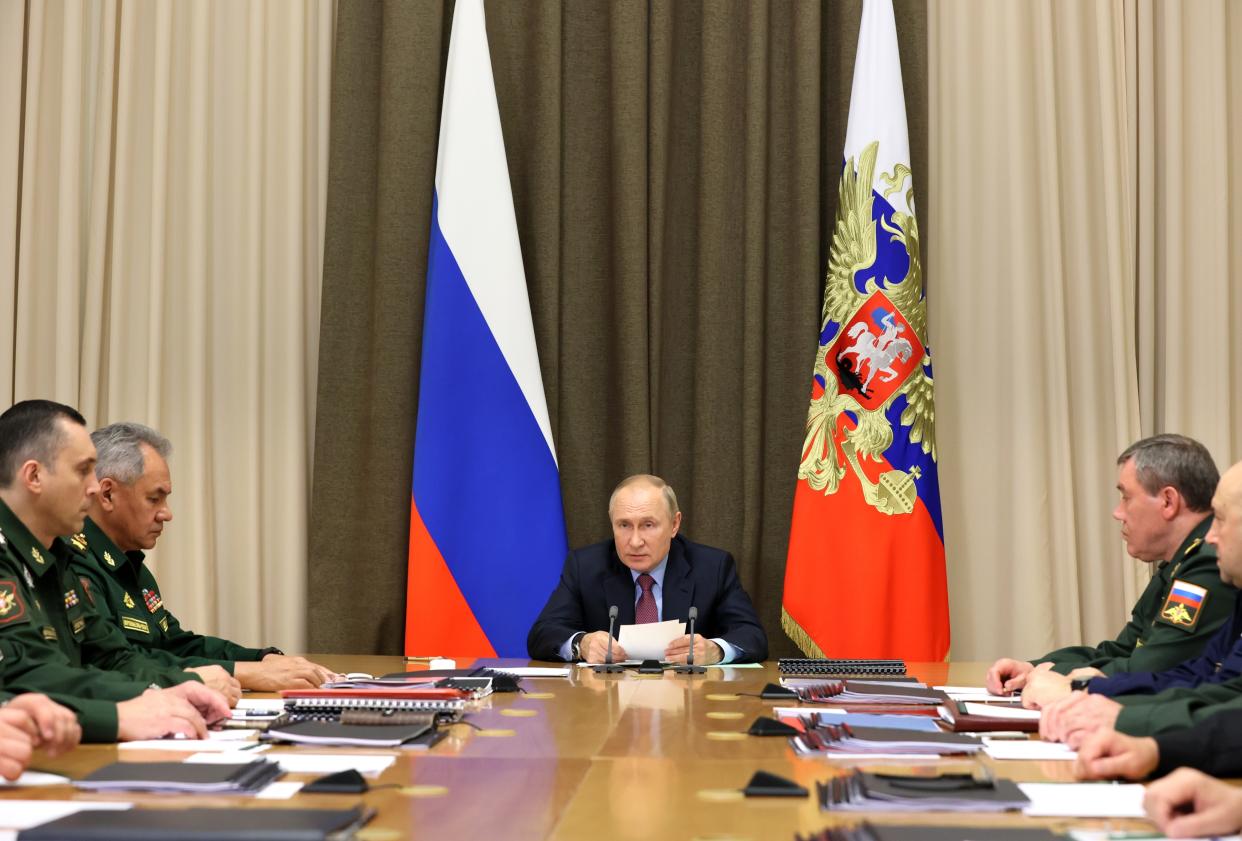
[119, 449]
[1175, 461]
[670, 498]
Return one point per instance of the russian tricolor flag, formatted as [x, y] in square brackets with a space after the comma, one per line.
[487, 530]
[1187, 594]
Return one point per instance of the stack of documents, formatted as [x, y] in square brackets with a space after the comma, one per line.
[205, 824]
[821, 736]
[232, 778]
[976, 717]
[862, 692]
[796, 716]
[862, 792]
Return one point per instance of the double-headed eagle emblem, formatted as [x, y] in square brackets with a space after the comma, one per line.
[876, 354]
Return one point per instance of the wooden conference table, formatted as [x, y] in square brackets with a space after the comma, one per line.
[594, 757]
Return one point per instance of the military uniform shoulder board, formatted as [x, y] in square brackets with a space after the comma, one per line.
[79, 542]
[1194, 544]
[12, 608]
[1184, 605]
[2, 540]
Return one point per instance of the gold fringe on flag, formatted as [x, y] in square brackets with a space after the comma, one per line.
[799, 637]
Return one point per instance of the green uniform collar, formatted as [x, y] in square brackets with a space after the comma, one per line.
[110, 556]
[26, 545]
[1193, 541]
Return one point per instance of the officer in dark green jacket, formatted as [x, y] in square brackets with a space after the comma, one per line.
[1179, 697]
[51, 639]
[128, 516]
[1166, 484]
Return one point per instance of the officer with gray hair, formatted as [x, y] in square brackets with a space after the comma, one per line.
[126, 518]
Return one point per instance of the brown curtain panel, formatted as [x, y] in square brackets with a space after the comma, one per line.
[674, 169]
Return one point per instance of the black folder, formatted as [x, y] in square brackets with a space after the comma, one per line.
[187, 777]
[202, 825]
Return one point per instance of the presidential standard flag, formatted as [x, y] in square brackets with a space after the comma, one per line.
[865, 575]
[487, 531]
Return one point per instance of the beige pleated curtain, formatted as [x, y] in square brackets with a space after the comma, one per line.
[162, 191]
[1085, 289]
[162, 178]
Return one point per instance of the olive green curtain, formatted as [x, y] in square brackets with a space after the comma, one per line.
[674, 169]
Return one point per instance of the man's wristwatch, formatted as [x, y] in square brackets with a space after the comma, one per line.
[271, 649]
[575, 647]
[1079, 684]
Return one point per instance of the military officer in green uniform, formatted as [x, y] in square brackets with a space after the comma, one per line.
[128, 516]
[1147, 704]
[51, 639]
[1166, 484]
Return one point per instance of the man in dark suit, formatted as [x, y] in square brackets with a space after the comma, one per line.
[651, 574]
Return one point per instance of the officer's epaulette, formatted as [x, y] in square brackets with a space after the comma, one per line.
[79, 541]
[1194, 544]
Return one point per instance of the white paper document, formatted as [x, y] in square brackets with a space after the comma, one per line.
[648, 641]
[1031, 749]
[35, 778]
[259, 708]
[24, 814]
[534, 671]
[370, 765]
[217, 740]
[1084, 800]
[976, 693]
[993, 711]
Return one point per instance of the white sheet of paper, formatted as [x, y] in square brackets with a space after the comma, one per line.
[975, 693]
[23, 814]
[1015, 713]
[648, 641]
[370, 765]
[258, 707]
[1084, 800]
[217, 740]
[35, 778]
[534, 671]
[279, 790]
[1032, 749]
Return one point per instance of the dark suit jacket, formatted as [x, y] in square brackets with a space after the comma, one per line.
[594, 578]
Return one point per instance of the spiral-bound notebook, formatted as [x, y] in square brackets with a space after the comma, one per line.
[840, 668]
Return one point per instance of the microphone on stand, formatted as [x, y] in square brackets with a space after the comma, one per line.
[689, 668]
[609, 667]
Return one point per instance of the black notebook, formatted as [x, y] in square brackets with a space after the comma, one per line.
[315, 732]
[189, 777]
[202, 825]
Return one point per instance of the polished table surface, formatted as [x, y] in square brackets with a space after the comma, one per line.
[594, 757]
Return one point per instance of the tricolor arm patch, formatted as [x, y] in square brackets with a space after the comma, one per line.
[1184, 605]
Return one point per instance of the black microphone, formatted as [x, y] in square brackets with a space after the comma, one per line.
[689, 668]
[609, 667]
